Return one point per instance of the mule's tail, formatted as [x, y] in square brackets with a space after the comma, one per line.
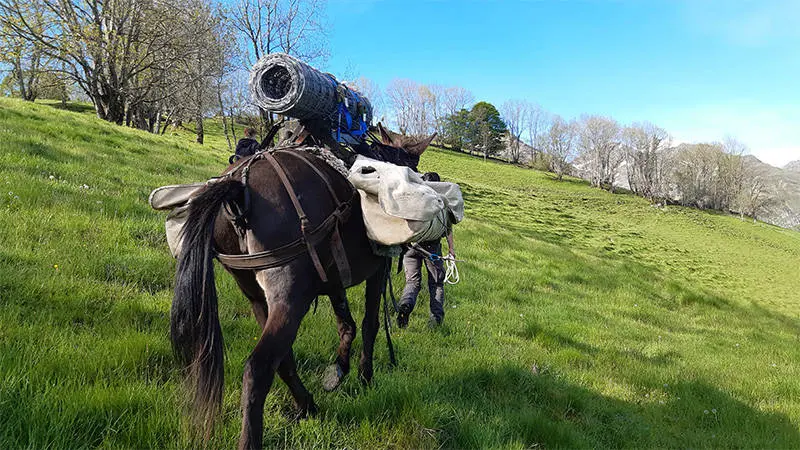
[194, 321]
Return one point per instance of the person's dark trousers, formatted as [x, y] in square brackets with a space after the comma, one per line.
[412, 264]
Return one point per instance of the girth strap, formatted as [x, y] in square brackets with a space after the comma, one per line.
[283, 254]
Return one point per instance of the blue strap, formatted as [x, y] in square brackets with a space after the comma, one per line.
[344, 112]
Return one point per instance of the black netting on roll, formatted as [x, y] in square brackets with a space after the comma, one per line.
[276, 82]
[282, 84]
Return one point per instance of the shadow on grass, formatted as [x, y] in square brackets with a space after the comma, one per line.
[516, 407]
[69, 106]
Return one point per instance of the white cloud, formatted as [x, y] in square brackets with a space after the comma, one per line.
[745, 22]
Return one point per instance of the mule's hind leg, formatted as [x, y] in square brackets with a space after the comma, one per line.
[371, 323]
[336, 372]
[287, 303]
[287, 369]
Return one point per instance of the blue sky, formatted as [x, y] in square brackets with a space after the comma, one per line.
[701, 69]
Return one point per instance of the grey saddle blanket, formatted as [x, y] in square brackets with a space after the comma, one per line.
[175, 198]
[400, 207]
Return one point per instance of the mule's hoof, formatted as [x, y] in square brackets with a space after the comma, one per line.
[333, 377]
[366, 380]
[307, 411]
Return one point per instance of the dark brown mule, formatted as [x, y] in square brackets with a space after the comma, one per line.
[280, 296]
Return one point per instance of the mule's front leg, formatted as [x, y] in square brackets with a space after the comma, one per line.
[371, 323]
[336, 372]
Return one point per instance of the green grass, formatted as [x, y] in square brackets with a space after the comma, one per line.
[647, 327]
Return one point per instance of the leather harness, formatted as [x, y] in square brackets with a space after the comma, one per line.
[310, 236]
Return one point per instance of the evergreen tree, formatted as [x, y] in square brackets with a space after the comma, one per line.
[486, 129]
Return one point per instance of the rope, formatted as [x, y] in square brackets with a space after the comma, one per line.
[387, 321]
[451, 269]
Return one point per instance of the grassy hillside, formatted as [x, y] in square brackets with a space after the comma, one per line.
[583, 319]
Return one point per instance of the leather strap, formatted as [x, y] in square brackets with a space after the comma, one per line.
[304, 222]
[310, 238]
[337, 246]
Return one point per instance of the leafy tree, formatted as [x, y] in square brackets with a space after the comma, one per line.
[486, 129]
[456, 128]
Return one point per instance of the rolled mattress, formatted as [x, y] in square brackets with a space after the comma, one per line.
[283, 84]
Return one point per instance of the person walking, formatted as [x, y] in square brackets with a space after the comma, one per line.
[248, 145]
[429, 252]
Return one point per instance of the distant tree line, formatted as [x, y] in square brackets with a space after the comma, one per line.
[639, 157]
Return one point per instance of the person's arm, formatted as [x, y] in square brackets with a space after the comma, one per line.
[451, 249]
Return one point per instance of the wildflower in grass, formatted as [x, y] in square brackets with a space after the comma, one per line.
[55, 266]
[52, 177]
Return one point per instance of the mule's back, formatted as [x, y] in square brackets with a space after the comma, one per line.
[272, 220]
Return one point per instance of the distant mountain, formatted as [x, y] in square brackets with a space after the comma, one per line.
[793, 166]
[783, 191]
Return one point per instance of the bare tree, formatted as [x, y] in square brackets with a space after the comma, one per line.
[732, 169]
[753, 198]
[697, 175]
[646, 159]
[536, 124]
[402, 95]
[372, 91]
[108, 48]
[560, 143]
[514, 113]
[456, 98]
[600, 146]
[450, 102]
[290, 26]
[302, 31]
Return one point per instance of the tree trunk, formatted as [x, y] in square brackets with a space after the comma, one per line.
[199, 124]
[224, 121]
[233, 122]
[157, 129]
[109, 108]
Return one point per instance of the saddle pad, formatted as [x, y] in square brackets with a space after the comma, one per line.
[169, 197]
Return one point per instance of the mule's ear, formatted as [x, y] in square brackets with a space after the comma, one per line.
[385, 136]
[419, 147]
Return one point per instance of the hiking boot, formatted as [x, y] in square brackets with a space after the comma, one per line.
[434, 321]
[402, 316]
